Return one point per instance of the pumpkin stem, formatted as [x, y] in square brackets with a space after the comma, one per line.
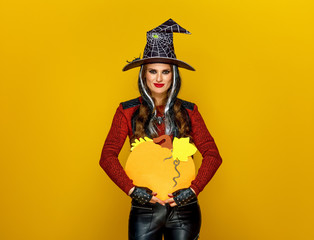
[167, 141]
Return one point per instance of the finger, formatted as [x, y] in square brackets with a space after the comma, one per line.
[173, 204]
[170, 195]
[153, 200]
[169, 200]
[159, 201]
[154, 193]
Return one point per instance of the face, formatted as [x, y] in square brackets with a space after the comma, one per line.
[158, 78]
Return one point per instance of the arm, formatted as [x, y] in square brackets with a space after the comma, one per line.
[207, 147]
[109, 157]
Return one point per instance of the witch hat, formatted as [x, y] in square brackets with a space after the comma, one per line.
[159, 47]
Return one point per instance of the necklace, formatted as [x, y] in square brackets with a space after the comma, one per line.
[160, 119]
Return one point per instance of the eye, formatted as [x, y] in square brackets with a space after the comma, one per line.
[167, 72]
[152, 71]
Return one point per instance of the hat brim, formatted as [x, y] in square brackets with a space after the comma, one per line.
[137, 63]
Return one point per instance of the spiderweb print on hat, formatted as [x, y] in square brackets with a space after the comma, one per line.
[160, 40]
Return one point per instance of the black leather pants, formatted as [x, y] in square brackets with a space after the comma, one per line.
[151, 221]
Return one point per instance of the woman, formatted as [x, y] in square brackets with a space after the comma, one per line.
[156, 112]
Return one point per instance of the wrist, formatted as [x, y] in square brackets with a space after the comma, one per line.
[131, 190]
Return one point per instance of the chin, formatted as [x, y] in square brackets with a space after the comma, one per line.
[160, 91]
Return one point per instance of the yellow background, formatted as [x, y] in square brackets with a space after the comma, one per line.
[61, 82]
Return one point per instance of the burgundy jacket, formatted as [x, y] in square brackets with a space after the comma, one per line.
[122, 127]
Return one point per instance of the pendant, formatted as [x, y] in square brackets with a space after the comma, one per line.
[159, 120]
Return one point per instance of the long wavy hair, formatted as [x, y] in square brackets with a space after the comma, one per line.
[177, 121]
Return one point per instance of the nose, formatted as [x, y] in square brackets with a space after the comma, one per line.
[159, 77]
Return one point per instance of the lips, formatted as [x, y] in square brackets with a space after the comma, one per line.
[159, 85]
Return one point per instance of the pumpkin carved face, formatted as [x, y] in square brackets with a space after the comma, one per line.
[163, 168]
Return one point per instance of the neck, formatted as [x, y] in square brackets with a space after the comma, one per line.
[159, 99]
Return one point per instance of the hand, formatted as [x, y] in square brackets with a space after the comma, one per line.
[170, 200]
[144, 195]
[180, 197]
[156, 199]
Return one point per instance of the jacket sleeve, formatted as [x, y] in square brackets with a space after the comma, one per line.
[109, 157]
[207, 147]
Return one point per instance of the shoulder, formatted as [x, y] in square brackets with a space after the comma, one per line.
[130, 103]
[127, 108]
[188, 105]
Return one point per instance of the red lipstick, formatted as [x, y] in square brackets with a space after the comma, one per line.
[159, 85]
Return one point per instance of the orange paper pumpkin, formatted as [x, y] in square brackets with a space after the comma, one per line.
[163, 168]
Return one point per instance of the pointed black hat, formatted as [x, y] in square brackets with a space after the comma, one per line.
[159, 47]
